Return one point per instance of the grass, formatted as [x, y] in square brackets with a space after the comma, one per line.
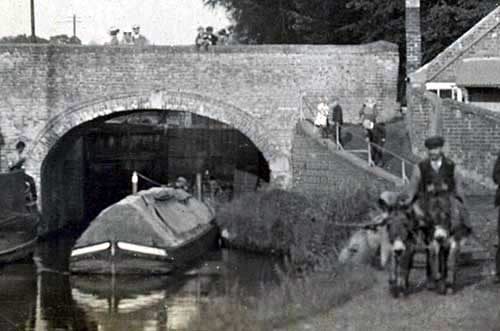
[296, 298]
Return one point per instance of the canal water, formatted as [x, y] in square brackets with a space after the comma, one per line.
[41, 295]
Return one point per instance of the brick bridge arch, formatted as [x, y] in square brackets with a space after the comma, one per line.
[73, 116]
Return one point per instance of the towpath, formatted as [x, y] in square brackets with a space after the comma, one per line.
[474, 307]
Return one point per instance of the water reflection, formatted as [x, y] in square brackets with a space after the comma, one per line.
[42, 296]
[17, 296]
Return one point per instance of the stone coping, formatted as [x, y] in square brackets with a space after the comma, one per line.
[375, 47]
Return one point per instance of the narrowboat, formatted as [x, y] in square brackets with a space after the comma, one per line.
[151, 232]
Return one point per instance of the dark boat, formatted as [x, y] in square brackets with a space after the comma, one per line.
[152, 232]
[19, 218]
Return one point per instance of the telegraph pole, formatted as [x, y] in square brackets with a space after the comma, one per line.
[33, 36]
[72, 20]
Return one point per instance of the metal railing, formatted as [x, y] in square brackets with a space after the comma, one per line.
[307, 113]
[404, 162]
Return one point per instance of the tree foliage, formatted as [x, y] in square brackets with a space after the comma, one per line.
[21, 39]
[64, 39]
[61, 39]
[351, 21]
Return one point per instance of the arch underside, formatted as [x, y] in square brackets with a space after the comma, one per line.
[161, 100]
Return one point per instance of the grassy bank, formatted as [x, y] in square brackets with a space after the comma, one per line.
[296, 298]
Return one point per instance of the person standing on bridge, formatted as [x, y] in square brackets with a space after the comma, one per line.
[137, 37]
[369, 108]
[335, 115]
[201, 40]
[113, 33]
[210, 36]
[375, 135]
[222, 36]
[496, 179]
[321, 120]
[127, 38]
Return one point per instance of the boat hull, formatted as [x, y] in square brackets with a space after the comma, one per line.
[18, 252]
[19, 219]
[127, 258]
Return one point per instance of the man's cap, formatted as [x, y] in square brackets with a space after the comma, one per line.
[136, 26]
[434, 142]
[114, 29]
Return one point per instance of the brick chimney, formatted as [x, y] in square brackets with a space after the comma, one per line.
[413, 36]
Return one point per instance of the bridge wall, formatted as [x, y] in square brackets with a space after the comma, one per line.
[46, 90]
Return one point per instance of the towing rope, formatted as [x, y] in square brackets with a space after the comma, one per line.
[152, 181]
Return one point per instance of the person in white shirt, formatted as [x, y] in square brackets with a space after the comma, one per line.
[137, 37]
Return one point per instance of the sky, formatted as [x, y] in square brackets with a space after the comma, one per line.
[163, 22]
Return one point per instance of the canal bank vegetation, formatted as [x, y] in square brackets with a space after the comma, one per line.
[300, 226]
[273, 308]
[303, 228]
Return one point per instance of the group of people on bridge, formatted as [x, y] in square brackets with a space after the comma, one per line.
[132, 38]
[206, 37]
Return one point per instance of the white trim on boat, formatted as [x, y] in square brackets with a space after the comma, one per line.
[21, 246]
[141, 249]
[91, 249]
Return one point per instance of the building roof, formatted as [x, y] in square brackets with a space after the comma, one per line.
[479, 72]
[452, 53]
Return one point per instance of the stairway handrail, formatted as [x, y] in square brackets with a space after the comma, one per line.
[304, 102]
[402, 158]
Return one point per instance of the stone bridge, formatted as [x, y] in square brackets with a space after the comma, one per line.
[46, 90]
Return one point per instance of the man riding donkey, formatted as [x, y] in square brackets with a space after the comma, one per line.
[436, 188]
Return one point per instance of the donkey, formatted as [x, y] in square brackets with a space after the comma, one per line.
[446, 231]
[401, 229]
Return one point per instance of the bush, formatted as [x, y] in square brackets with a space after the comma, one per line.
[299, 225]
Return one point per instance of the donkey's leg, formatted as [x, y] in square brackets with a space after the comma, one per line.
[435, 250]
[406, 265]
[393, 275]
[442, 258]
[452, 264]
[431, 284]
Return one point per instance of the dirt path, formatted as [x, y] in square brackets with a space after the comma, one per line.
[474, 307]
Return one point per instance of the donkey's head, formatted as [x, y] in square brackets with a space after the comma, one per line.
[439, 217]
[400, 231]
